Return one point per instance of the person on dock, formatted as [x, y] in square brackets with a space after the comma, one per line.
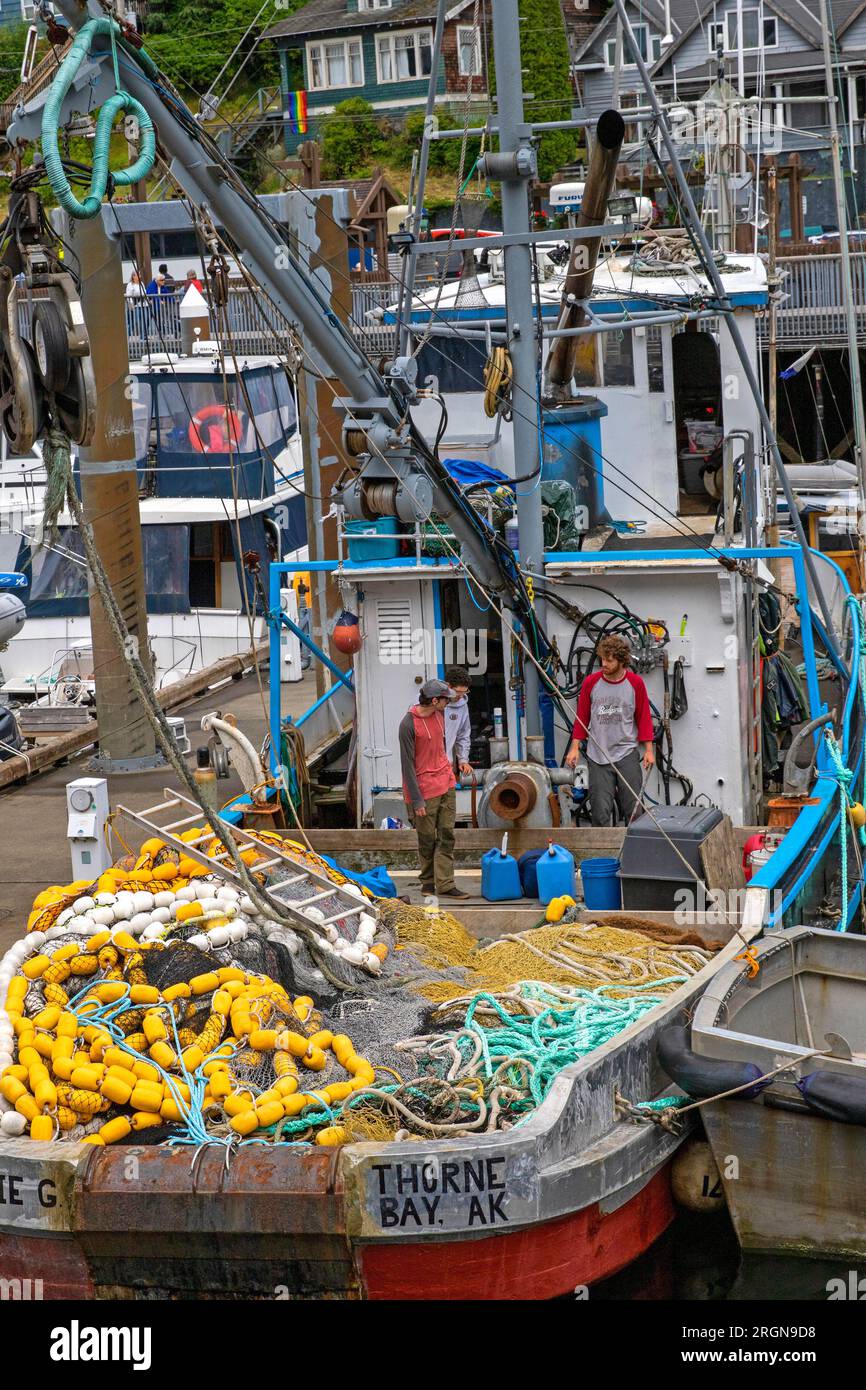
[613, 719]
[429, 787]
[458, 728]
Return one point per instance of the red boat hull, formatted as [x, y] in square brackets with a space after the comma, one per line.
[536, 1262]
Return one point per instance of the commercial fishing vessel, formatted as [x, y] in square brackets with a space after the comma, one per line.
[492, 1118]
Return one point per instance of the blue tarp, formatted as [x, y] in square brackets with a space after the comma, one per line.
[378, 880]
[466, 472]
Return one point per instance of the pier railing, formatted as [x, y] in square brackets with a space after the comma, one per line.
[153, 322]
[812, 306]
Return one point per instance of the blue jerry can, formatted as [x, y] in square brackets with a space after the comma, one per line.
[500, 876]
[555, 873]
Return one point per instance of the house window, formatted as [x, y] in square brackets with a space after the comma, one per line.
[337, 64]
[716, 35]
[650, 48]
[468, 51]
[400, 57]
[374, 4]
[758, 32]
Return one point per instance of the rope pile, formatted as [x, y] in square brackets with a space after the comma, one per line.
[585, 956]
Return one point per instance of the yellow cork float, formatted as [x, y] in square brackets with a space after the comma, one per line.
[91, 1049]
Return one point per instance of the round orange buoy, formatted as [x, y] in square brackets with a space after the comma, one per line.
[347, 633]
[858, 815]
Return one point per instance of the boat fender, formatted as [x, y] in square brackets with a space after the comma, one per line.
[834, 1096]
[704, 1076]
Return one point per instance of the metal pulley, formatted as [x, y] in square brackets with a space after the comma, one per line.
[46, 371]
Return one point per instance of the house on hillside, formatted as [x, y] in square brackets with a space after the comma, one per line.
[779, 60]
[380, 50]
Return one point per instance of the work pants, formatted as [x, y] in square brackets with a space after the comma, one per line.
[436, 840]
[622, 787]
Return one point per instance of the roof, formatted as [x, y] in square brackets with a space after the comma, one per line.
[331, 16]
[686, 15]
[807, 59]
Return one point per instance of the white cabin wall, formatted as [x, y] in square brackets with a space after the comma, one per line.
[388, 673]
[708, 740]
[739, 411]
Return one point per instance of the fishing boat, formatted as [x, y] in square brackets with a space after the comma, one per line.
[209, 492]
[795, 1018]
[576, 1184]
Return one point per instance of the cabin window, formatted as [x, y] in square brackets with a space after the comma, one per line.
[191, 418]
[337, 64]
[267, 411]
[166, 568]
[141, 407]
[400, 57]
[205, 556]
[59, 577]
[618, 357]
[468, 51]
[655, 359]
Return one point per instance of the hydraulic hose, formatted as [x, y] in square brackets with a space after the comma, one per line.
[121, 101]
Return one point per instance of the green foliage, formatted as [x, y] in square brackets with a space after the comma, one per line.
[544, 58]
[12, 38]
[192, 41]
[350, 138]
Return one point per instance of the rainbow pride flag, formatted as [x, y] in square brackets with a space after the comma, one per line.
[296, 113]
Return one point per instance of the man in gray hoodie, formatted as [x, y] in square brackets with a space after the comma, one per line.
[458, 729]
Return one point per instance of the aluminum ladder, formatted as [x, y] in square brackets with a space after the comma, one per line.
[222, 867]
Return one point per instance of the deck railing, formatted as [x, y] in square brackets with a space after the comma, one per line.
[153, 322]
[812, 307]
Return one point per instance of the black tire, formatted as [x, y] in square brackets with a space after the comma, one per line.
[51, 346]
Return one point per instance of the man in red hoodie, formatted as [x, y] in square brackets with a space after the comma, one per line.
[428, 787]
[613, 718]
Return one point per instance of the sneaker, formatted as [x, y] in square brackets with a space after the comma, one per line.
[454, 893]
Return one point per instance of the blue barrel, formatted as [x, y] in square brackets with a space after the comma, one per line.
[601, 885]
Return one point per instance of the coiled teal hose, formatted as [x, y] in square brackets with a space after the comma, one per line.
[121, 101]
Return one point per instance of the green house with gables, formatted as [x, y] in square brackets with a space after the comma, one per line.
[380, 50]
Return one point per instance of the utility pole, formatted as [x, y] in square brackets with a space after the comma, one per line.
[773, 355]
[109, 496]
[514, 166]
[847, 287]
[418, 209]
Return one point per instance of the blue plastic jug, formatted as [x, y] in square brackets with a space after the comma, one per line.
[555, 873]
[500, 876]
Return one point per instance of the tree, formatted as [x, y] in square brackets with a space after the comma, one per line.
[12, 37]
[349, 138]
[547, 75]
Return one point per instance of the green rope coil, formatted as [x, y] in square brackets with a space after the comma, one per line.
[121, 101]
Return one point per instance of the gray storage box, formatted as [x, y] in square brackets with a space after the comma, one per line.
[651, 871]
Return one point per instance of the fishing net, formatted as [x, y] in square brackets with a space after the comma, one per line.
[253, 1044]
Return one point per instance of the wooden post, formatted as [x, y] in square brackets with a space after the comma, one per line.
[322, 432]
[109, 495]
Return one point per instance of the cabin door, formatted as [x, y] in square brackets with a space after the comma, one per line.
[398, 655]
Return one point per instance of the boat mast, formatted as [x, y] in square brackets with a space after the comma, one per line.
[715, 279]
[515, 165]
[847, 286]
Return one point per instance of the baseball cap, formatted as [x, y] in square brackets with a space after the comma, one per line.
[433, 689]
